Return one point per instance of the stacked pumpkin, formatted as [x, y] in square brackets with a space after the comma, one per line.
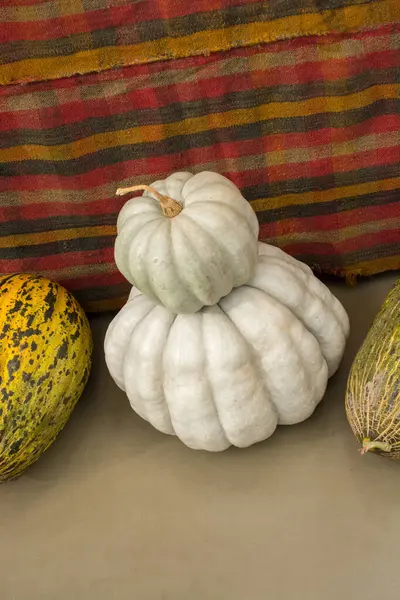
[223, 337]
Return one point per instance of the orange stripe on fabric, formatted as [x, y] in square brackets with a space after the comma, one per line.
[289, 230]
[273, 57]
[154, 133]
[96, 306]
[80, 197]
[348, 19]
[47, 237]
[368, 267]
[330, 195]
[79, 272]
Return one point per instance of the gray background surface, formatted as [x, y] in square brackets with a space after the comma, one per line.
[117, 511]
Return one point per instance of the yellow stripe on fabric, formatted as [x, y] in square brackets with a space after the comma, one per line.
[332, 236]
[243, 116]
[368, 267]
[79, 271]
[41, 10]
[330, 195]
[96, 306]
[347, 19]
[41, 197]
[29, 98]
[32, 239]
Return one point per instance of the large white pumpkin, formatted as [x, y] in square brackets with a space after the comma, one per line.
[231, 373]
[189, 245]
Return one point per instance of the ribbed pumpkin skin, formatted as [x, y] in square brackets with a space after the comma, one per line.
[231, 373]
[45, 359]
[373, 390]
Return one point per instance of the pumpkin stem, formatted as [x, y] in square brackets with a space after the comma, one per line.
[170, 207]
[367, 446]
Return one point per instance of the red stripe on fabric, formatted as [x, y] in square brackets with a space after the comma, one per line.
[362, 242]
[112, 277]
[334, 221]
[129, 72]
[59, 209]
[328, 222]
[74, 182]
[332, 165]
[156, 98]
[63, 26]
[316, 168]
[113, 16]
[151, 167]
[210, 88]
[330, 135]
[54, 262]
[334, 69]
[24, 2]
[222, 151]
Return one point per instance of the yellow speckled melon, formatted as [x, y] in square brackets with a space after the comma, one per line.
[45, 358]
[373, 390]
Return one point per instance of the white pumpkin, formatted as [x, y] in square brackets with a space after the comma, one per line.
[187, 241]
[231, 373]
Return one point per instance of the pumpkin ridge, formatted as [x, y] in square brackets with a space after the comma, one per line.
[299, 355]
[122, 247]
[137, 400]
[149, 209]
[252, 351]
[226, 215]
[220, 241]
[178, 275]
[305, 278]
[324, 304]
[163, 373]
[255, 359]
[209, 386]
[213, 240]
[109, 338]
[212, 204]
[145, 253]
[267, 251]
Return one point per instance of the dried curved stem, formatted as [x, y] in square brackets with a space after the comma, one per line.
[367, 446]
[170, 207]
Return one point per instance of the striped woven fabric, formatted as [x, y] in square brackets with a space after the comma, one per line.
[307, 127]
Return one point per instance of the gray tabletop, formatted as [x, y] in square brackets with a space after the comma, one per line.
[117, 511]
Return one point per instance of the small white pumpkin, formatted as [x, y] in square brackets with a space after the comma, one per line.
[187, 241]
[231, 373]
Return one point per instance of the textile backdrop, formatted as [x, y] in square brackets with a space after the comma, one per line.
[297, 101]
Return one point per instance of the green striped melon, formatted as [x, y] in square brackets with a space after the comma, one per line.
[45, 359]
[373, 389]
